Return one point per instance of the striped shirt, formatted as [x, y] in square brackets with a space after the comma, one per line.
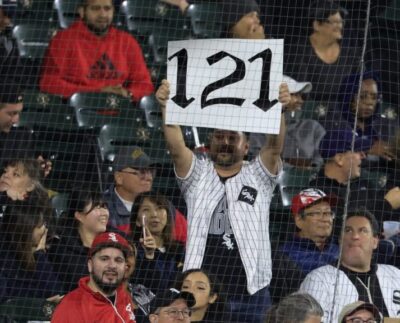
[321, 282]
[248, 196]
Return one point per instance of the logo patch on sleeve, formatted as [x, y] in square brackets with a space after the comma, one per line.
[248, 195]
[396, 297]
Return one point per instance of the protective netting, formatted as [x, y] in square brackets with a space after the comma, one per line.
[85, 150]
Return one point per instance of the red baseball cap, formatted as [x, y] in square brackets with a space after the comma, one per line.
[309, 197]
[109, 240]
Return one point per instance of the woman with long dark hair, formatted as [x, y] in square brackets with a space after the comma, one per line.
[159, 255]
[210, 304]
[24, 267]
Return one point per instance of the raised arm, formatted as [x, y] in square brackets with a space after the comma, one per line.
[271, 152]
[181, 155]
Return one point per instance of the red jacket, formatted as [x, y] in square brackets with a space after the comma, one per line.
[79, 61]
[85, 305]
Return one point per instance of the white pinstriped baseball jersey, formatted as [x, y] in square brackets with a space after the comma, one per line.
[320, 283]
[248, 196]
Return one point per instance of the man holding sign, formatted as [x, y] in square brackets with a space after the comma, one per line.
[228, 203]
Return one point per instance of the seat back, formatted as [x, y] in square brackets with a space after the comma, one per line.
[67, 12]
[33, 39]
[94, 110]
[46, 111]
[206, 19]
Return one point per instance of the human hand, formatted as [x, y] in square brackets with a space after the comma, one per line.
[284, 94]
[42, 242]
[55, 299]
[116, 89]
[46, 165]
[149, 244]
[382, 149]
[393, 197]
[162, 94]
[16, 195]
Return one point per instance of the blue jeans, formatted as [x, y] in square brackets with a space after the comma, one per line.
[249, 308]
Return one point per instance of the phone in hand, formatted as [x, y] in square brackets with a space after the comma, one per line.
[144, 226]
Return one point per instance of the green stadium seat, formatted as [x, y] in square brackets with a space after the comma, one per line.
[67, 11]
[59, 202]
[158, 41]
[26, 310]
[290, 182]
[206, 19]
[376, 180]
[42, 110]
[313, 110]
[112, 137]
[141, 17]
[94, 110]
[152, 111]
[39, 12]
[33, 39]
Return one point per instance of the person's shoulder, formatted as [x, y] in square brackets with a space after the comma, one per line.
[389, 268]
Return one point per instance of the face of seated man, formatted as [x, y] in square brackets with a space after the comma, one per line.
[358, 243]
[97, 15]
[315, 222]
[177, 312]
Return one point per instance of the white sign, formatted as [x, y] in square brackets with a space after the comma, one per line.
[228, 84]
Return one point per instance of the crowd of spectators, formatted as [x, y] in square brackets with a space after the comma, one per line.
[128, 252]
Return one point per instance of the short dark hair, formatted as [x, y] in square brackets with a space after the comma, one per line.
[365, 213]
[320, 10]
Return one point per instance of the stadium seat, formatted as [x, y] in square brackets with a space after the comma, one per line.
[46, 110]
[39, 12]
[313, 110]
[290, 182]
[93, 110]
[111, 137]
[59, 202]
[158, 41]
[33, 39]
[206, 19]
[141, 17]
[152, 111]
[67, 11]
[26, 310]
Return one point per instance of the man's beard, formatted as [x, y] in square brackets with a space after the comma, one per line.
[95, 30]
[107, 288]
[231, 159]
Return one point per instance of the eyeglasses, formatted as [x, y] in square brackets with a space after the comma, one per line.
[320, 214]
[176, 314]
[360, 320]
[141, 173]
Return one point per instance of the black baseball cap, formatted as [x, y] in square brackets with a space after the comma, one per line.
[168, 296]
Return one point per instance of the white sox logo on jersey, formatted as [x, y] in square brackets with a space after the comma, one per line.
[248, 194]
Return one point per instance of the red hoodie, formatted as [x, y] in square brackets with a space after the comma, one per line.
[79, 61]
[85, 305]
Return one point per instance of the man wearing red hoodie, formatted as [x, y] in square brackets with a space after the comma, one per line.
[101, 297]
[93, 56]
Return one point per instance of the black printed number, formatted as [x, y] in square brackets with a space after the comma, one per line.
[237, 75]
